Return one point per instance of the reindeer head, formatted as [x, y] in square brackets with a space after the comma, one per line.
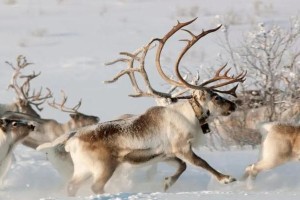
[78, 119]
[18, 129]
[215, 104]
[204, 95]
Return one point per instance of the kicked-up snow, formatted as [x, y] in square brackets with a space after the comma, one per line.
[70, 40]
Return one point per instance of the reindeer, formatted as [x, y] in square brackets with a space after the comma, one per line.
[55, 151]
[166, 133]
[24, 101]
[243, 126]
[49, 129]
[281, 145]
[136, 64]
[12, 132]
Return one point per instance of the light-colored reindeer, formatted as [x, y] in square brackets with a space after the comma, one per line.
[56, 153]
[48, 130]
[160, 134]
[24, 101]
[12, 132]
[281, 145]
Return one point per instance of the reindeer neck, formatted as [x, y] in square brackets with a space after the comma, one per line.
[184, 108]
[200, 113]
[68, 126]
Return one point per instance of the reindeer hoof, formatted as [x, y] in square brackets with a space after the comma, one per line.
[168, 183]
[227, 179]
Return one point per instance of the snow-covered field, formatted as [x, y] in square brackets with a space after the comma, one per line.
[70, 40]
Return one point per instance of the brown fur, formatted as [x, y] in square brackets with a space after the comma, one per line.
[109, 130]
[281, 145]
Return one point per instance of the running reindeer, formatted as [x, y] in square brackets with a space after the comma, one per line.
[48, 130]
[12, 132]
[24, 100]
[281, 145]
[54, 131]
[166, 133]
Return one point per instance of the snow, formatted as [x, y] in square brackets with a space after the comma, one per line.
[70, 40]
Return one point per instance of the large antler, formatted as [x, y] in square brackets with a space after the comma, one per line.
[190, 42]
[139, 57]
[140, 54]
[62, 106]
[23, 90]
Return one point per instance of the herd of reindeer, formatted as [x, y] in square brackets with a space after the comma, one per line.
[84, 148]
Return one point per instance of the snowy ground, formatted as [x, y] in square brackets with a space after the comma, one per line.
[70, 40]
[33, 177]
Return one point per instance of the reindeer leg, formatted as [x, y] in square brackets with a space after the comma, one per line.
[170, 180]
[77, 179]
[262, 165]
[187, 155]
[101, 178]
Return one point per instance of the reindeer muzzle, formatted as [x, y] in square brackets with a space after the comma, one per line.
[31, 127]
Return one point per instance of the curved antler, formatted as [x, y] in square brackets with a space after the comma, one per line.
[162, 42]
[62, 106]
[190, 42]
[22, 91]
[139, 56]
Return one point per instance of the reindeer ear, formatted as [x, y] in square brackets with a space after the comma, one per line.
[3, 125]
[74, 116]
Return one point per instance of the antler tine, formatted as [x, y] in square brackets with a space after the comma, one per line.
[22, 62]
[230, 79]
[37, 100]
[116, 61]
[239, 78]
[25, 87]
[38, 97]
[76, 107]
[232, 91]
[162, 42]
[62, 106]
[129, 70]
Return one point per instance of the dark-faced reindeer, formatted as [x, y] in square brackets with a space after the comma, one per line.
[24, 100]
[48, 130]
[281, 145]
[243, 126]
[12, 132]
[160, 134]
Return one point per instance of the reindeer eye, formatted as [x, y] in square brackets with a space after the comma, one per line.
[218, 98]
